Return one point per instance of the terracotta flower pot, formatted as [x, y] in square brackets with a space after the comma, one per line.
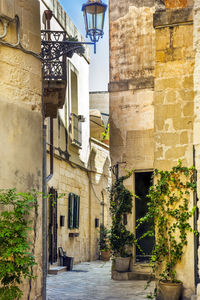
[105, 255]
[122, 264]
[169, 290]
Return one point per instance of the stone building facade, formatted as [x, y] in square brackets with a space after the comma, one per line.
[81, 162]
[21, 114]
[154, 86]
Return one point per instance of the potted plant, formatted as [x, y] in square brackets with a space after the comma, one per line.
[104, 243]
[169, 209]
[121, 239]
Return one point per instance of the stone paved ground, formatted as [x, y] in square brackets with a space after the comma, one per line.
[92, 281]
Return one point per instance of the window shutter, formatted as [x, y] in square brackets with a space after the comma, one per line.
[76, 211]
[70, 210]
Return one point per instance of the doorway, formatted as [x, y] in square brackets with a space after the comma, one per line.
[53, 225]
[143, 181]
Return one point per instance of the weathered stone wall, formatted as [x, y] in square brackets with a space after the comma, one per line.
[196, 129]
[131, 83]
[91, 184]
[174, 105]
[173, 101]
[155, 112]
[20, 116]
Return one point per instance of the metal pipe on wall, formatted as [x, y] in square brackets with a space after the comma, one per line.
[195, 218]
[44, 218]
[48, 15]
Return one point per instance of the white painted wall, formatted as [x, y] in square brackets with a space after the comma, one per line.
[81, 64]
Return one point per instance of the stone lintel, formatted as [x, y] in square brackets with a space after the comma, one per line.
[171, 17]
[131, 84]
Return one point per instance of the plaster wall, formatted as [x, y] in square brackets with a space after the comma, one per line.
[21, 119]
[61, 21]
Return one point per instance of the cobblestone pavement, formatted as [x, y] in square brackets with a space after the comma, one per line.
[92, 281]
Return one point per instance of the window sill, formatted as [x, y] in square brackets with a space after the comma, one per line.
[75, 144]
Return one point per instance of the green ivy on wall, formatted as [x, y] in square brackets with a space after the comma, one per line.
[121, 203]
[170, 211]
[16, 258]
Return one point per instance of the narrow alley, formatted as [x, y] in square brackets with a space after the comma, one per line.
[92, 281]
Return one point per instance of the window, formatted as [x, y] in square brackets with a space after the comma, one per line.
[76, 130]
[73, 211]
[74, 93]
[76, 123]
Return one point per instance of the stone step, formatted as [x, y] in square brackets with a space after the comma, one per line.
[130, 275]
[54, 270]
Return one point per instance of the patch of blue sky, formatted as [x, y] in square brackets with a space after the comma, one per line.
[99, 66]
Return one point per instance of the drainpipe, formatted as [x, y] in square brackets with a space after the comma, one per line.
[196, 238]
[51, 150]
[90, 216]
[48, 15]
[44, 218]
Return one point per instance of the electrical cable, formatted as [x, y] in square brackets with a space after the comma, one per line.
[18, 45]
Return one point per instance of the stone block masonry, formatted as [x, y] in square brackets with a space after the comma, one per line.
[174, 103]
[21, 117]
[154, 92]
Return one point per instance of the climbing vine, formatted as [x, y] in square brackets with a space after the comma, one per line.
[169, 210]
[121, 204]
[16, 259]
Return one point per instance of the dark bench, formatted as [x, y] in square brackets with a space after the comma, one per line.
[65, 260]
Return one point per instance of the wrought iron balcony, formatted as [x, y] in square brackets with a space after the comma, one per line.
[54, 68]
[56, 47]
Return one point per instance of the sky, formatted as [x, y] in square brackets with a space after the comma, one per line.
[99, 62]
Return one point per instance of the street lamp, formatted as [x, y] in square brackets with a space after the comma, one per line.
[94, 16]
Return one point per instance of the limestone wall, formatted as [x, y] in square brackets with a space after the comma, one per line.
[131, 83]
[196, 130]
[20, 116]
[174, 105]
[91, 185]
[173, 101]
[154, 92]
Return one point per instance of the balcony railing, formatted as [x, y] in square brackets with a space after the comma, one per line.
[56, 46]
[54, 63]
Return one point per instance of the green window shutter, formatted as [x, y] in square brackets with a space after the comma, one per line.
[70, 210]
[76, 211]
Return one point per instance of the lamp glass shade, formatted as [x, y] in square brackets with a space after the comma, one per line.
[94, 15]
